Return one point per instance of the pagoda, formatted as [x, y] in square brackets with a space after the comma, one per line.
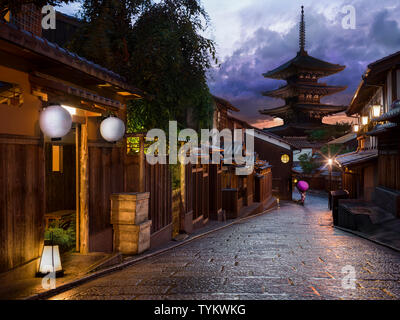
[302, 92]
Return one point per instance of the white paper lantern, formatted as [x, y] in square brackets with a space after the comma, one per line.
[55, 122]
[112, 129]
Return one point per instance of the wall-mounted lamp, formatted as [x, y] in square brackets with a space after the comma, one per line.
[356, 128]
[364, 120]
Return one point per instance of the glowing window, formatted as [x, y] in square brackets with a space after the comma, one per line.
[57, 157]
[285, 158]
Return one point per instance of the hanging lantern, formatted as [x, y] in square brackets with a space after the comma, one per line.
[112, 129]
[50, 261]
[285, 158]
[55, 122]
[376, 111]
[364, 120]
[356, 128]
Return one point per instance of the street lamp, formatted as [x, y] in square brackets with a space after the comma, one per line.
[330, 162]
[364, 120]
[356, 128]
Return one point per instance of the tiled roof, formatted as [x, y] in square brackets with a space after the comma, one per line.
[380, 128]
[304, 61]
[395, 113]
[303, 142]
[356, 157]
[344, 139]
[225, 103]
[40, 46]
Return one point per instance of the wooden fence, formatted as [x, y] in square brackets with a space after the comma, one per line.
[21, 200]
[140, 176]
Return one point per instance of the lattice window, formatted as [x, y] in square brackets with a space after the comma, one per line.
[10, 94]
[29, 19]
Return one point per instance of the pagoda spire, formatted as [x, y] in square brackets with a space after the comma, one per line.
[302, 40]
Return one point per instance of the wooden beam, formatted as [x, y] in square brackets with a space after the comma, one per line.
[141, 165]
[84, 191]
[77, 181]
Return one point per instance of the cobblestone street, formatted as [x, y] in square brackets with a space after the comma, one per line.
[290, 253]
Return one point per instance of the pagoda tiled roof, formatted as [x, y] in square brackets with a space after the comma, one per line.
[303, 62]
[293, 89]
[323, 108]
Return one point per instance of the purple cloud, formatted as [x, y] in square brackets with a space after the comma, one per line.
[240, 79]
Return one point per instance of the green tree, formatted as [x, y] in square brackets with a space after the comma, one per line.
[170, 60]
[307, 163]
[158, 47]
[331, 132]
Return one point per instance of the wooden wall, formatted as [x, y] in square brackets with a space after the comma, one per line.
[215, 190]
[189, 180]
[281, 172]
[389, 159]
[61, 186]
[389, 171]
[106, 176]
[200, 191]
[158, 183]
[21, 200]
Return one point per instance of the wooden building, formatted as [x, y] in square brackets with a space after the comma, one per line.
[277, 152]
[371, 174]
[303, 109]
[42, 178]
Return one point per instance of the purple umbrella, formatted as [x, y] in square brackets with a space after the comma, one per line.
[302, 186]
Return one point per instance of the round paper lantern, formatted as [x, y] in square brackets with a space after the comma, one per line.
[285, 158]
[112, 129]
[55, 122]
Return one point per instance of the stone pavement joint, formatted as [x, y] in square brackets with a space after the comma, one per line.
[291, 253]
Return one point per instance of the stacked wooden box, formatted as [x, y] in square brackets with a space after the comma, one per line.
[130, 220]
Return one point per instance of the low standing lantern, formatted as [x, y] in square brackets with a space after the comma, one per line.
[55, 122]
[112, 129]
[50, 261]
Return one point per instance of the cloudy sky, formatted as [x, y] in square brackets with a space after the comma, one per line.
[254, 36]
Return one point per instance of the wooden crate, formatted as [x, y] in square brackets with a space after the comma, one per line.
[129, 208]
[132, 239]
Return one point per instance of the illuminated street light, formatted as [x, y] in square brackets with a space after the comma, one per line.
[356, 128]
[364, 120]
[330, 162]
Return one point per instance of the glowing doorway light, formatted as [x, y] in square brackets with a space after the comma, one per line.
[71, 110]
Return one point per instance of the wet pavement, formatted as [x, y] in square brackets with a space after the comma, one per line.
[290, 253]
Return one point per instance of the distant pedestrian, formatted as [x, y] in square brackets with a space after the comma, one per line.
[302, 187]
